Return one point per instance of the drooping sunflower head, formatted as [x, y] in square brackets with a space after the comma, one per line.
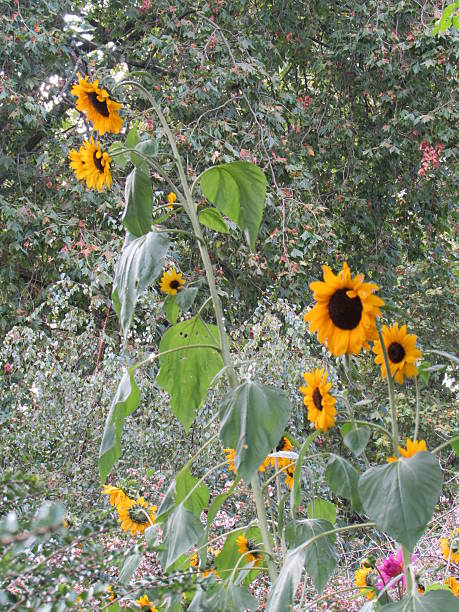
[401, 352]
[171, 282]
[231, 455]
[320, 404]
[144, 603]
[412, 447]
[92, 165]
[345, 313]
[289, 475]
[135, 515]
[450, 547]
[115, 494]
[212, 554]
[284, 445]
[100, 109]
[249, 550]
[364, 578]
[453, 584]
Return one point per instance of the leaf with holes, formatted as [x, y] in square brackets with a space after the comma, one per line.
[186, 374]
[141, 262]
[400, 497]
[238, 190]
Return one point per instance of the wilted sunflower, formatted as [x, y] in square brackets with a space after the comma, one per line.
[144, 602]
[98, 106]
[134, 513]
[289, 474]
[212, 554]
[364, 579]
[346, 311]
[284, 445]
[450, 547]
[250, 548]
[320, 404]
[115, 495]
[453, 584]
[411, 449]
[401, 352]
[230, 456]
[171, 282]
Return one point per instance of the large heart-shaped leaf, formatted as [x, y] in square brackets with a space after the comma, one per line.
[183, 530]
[126, 400]
[186, 374]
[238, 190]
[322, 508]
[320, 557]
[433, 601]
[141, 262]
[400, 497]
[138, 196]
[355, 437]
[343, 478]
[252, 420]
[283, 590]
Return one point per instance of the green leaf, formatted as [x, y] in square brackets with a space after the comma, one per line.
[132, 138]
[183, 530]
[233, 598]
[283, 591]
[141, 262]
[229, 555]
[319, 557]
[212, 218]
[356, 438]
[148, 148]
[186, 374]
[138, 195]
[186, 297]
[185, 481]
[238, 190]
[343, 478]
[252, 420]
[49, 515]
[129, 567]
[171, 309]
[400, 497]
[126, 400]
[454, 443]
[433, 601]
[322, 509]
[120, 160]
[217, 503]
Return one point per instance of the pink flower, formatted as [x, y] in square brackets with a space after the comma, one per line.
[393, 567]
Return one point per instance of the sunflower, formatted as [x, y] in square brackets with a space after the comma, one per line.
[77, 163]
[289, 473]
[346, 311]
[363, 580]
[450, 547]
[213, 554]
[98, 106]
[134, 513]
[96, 165]
[171, 198]
[453, 584]
[284, 446]
[248, 548]
[401, 352]
[411, 449]
[145, 602]
[171, 282]
[231, 455]
[115, 495]
[320, 404]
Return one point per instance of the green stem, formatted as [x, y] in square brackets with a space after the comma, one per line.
[410, 585]
[263, 524]
[416, 420]
[196, 455]
[201, 480]
[390, 387]
[331, 532]
[370, 424]
[447, 443]
[189, 347]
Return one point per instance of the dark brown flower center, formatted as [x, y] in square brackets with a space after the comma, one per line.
[280, 446]
[317, 398]
[174, 284]
[98, 162]
[396, 352]
[251, 546]
[137, 515]
[345, 312]
[101, 107]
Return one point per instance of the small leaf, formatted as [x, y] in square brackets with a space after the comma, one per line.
[322, 508]
[186, 374]
[454, 442]
[120, 160]
[141, 262]
[186, 297]
[238, 190]
[356, 439]
[171, 309]
[129, 567]
[212, 218]
[138, 195]
[217, 503]
[148, 148]
[342, 478]
[252, 420]
[126, 400]
[132, 138]
[185, 482]
[400, 497]
[183, 530]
